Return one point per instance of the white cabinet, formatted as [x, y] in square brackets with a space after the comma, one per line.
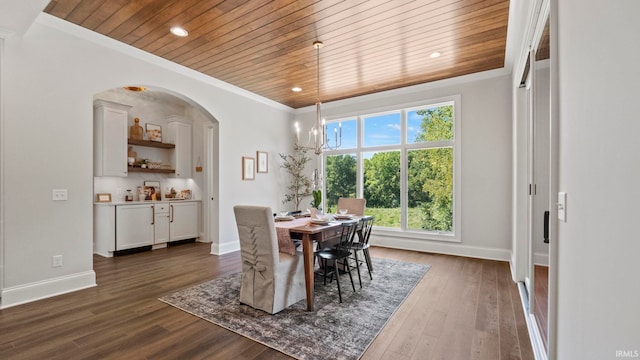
[183, 220]
[139, 224]
[110, 138]
[179, 133]
[134, 226]
[161, 223]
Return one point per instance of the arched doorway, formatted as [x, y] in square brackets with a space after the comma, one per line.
[158, 106]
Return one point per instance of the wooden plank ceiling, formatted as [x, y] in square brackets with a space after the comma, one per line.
[266, 46]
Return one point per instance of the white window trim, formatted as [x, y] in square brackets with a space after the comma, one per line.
[456, 234]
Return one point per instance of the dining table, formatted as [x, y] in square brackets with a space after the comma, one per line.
[309, 231]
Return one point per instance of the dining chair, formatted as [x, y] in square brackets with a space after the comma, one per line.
[354, 206]
[271, 281]
[341, 251]
[363, 232]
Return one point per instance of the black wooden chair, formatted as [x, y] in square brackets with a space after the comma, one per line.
[364, 232]
[341, 251]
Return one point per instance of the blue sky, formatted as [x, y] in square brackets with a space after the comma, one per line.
[378, 130]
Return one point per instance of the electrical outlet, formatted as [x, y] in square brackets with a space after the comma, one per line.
[59, 194]
[57, 261]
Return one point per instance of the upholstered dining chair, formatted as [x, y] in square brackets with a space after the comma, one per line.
[354, 206]
[271, 281]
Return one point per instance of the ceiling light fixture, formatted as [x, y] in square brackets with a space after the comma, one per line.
[179, 31]
[135, 88]
[296, 89]
[318, 131]
[435, 55]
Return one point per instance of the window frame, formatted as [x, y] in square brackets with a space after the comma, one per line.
[456, 234]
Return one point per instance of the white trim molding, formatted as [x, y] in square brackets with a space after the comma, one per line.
[23, 294]
[2, 162]
[448, 248]
[225, 248]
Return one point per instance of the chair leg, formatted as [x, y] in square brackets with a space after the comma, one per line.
[324, 272]
[367, 257]
[335, 268]
[345, 261]
[355, 255]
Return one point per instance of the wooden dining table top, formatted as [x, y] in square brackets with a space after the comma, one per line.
[304, 225]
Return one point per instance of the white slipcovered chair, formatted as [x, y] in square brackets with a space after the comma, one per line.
[271, 281]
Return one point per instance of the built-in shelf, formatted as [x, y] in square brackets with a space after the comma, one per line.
[154, 144]
[147, 170]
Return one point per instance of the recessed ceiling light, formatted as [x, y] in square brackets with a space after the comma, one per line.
[435, 55]
[296, 89]
[135, 88]
[178, 31]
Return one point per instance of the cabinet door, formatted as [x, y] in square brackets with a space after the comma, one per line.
[161, 225]
[184, 221]
[110, 139]
[161, 229]
[180, 135]
[134, 226]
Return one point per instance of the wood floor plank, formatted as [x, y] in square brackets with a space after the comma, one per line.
[123, 318]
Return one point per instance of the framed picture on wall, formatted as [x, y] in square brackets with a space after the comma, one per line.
[263, 161]
[248, 168]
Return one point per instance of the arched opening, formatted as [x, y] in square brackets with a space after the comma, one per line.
[158, 111]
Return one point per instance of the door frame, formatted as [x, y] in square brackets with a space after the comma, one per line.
[539, 12]
[210, 204]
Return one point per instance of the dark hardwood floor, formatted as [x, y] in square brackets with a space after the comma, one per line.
[463, 308]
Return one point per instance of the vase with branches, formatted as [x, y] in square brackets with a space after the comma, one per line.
[300, 185]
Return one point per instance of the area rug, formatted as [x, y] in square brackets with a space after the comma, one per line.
[333, 330]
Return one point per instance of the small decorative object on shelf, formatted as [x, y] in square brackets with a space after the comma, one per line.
[132, 154]
[154, 132]
[103, 197]
[185, 194]
[136, 131]
[152, 190]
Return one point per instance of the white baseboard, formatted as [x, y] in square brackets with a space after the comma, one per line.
[441, 247]
[22, 294]
[221, 249]
[541, 259]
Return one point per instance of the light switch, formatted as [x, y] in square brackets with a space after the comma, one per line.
[562, 206]
[59, 194]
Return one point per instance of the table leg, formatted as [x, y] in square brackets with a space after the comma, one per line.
[307, 251]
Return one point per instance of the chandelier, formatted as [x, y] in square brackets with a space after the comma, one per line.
[318, 131]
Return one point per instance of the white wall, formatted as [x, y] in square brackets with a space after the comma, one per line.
[50, 76]
[599, 246]
[486, 158]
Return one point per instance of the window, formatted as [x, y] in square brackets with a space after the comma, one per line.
[404, 162]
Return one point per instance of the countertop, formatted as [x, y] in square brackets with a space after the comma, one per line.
[113, 203]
